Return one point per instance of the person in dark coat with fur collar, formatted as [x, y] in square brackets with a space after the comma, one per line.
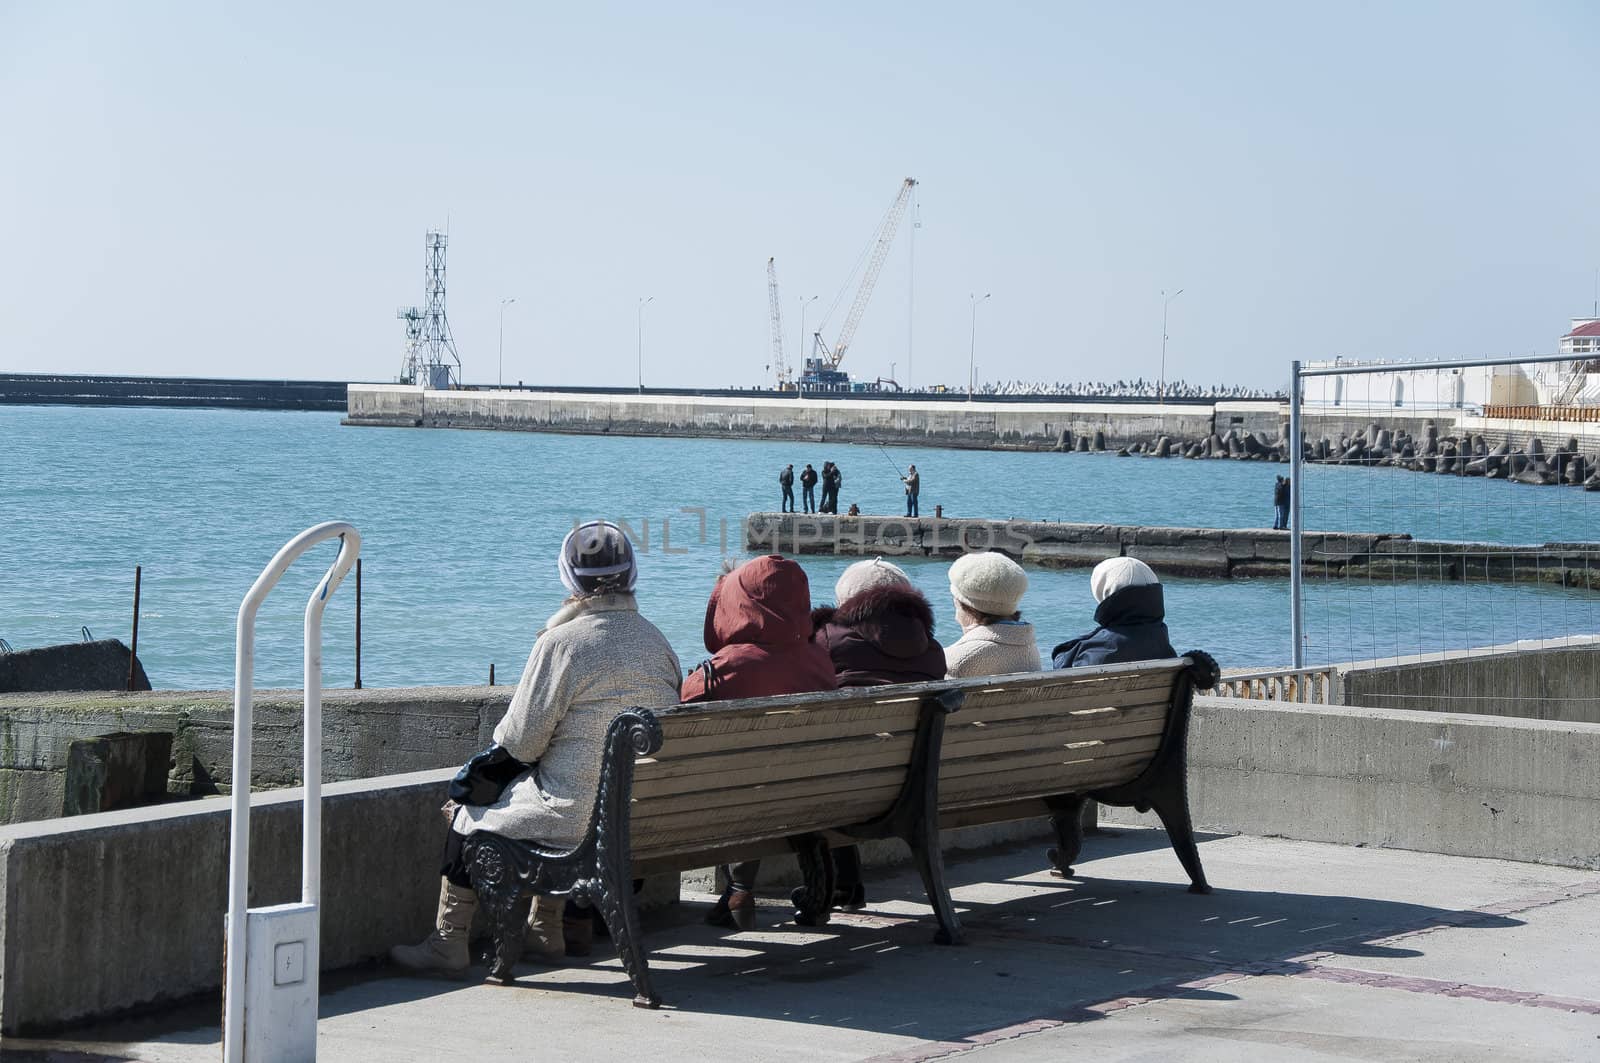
[1131, 618]
[882, 629]
[881, 632]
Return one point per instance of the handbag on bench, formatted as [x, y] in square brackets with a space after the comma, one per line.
[483, 778]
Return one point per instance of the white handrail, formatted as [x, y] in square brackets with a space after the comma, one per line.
[243, 698]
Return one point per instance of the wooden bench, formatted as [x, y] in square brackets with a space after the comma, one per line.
[690, 786]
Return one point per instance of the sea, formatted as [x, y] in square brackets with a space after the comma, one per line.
[460, 531]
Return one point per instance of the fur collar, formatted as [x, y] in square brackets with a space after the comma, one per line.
[573, 608]
[873, 604]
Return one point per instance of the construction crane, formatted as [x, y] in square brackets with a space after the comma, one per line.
[779, 366]
[822, 370]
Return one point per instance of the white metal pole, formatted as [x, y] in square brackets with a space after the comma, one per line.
[1296, 489]
[233, 1005]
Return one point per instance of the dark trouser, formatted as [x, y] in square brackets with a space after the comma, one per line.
[846, 866]
[808, 497]
[742, 876]
[911, 504]
[788, 499]
[1280, 518]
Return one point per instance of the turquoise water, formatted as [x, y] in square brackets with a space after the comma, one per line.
[460, 530]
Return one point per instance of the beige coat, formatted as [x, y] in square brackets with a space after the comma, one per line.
[993, 649]
[595, 658]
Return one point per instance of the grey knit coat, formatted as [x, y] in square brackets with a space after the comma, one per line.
[596, 657]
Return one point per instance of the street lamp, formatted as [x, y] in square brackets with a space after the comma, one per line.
[1166, 301]
[804, 302]
[503, 304]
[643, 302]
[972, 348]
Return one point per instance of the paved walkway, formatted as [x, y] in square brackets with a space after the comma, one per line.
[1305, 951]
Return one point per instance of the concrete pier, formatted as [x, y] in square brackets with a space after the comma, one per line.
[845, 419]
[1215, 553]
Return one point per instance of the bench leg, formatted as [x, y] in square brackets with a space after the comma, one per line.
[929, 856]
[1066, 815]
[506, 905]
[620, 909]
[1170, 800]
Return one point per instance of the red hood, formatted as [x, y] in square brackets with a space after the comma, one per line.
[764, 602]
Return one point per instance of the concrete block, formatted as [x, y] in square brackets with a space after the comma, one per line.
[119, 770]
[1198, 560]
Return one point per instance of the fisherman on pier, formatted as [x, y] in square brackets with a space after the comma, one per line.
[913, 481]
[786, 481]
[808, 488]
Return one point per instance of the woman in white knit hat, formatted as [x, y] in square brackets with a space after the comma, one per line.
[1131, 615]
[995, 640]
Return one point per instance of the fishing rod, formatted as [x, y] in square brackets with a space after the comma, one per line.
[885, 451]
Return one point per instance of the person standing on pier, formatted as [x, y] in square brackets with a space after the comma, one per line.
[808, 488]
[786, 481]
[830, 488]
[913, 481]
[1280, 504]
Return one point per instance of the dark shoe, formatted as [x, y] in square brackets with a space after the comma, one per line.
[850, 898]
[719, 914]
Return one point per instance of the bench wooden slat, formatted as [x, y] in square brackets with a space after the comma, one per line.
[1043, 781]
[1047, 733]
[748, 771]
[714, 735]
[1084, 698]
[667, 766]
[813, 789]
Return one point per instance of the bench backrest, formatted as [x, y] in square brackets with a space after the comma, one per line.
[1051, 733]
[735, 772]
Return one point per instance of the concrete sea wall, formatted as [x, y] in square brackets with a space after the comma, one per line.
[1202, 552]
[366, 733]
[137, 897]
[1438, 782]
[1526, 680]
[98, 665]
[953, 423]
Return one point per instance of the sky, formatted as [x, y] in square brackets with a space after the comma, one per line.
[243, 190]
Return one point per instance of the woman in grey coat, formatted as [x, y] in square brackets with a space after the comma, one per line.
[595, 657]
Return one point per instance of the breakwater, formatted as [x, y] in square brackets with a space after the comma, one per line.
[56, 389]
[1211, 553]
[1058, 426]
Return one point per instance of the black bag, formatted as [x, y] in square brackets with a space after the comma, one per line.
[483, 778]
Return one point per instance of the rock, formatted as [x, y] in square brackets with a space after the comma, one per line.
[1099, 439]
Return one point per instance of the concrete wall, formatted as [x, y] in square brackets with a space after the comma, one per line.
[1215, 553]
[366, 733]
[1436, 782]
[1529, 680]
[1032, 426]
[111, 911]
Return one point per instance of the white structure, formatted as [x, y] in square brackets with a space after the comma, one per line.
[1584, 339]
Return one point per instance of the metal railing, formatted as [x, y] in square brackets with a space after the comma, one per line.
[1313, 686]
[296, 1030]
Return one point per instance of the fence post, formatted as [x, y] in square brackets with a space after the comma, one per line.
[133, 650]
[358, 623]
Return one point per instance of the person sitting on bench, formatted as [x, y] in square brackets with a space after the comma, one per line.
[1131, 615]
[596, 656]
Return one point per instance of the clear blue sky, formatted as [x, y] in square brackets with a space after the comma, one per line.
[244, 193]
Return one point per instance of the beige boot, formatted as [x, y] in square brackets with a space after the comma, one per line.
[545, 942]
[446, 948]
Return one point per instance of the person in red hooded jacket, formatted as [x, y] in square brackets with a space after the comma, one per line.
[881, 632]
[759, 633]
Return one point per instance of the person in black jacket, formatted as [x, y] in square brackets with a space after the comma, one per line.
[1131, 618]
[786, 481]
[1280, 504]
[808, 488]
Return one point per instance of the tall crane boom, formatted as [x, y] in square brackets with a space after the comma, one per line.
[778, 365]
[878, 254]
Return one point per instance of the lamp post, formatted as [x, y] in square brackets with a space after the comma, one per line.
[503, 304]
[804, 302]
[1166, 301]
[972, 347]
[643, 302]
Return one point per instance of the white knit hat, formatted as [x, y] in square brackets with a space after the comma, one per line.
[989, 583]
[864, 575]
[1115, 573]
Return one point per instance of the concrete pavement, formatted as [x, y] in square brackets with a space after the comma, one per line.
[1304, 951]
